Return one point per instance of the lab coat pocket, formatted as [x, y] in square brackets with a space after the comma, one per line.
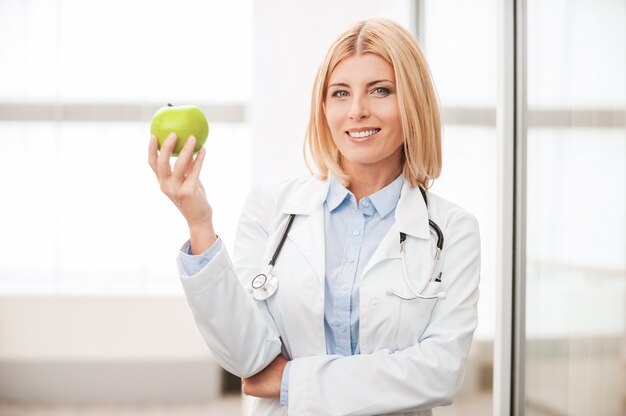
[414, 314]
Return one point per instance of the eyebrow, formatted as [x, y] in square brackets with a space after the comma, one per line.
[369, 84]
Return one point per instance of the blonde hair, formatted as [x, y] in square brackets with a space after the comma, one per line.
[417, 101]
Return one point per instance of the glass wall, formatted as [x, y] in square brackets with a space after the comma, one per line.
[575, 347]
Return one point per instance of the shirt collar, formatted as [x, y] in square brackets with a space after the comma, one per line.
[387, 198]
[384, 201]
[337, 193]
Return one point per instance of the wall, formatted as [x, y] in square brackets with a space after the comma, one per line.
[102, 348]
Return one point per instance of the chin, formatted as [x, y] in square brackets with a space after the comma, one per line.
[362, 160]
[364, 157]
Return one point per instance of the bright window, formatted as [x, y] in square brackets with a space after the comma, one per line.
[82, 211]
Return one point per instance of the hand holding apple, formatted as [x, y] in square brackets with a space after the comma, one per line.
[182, 186]
[184, 121]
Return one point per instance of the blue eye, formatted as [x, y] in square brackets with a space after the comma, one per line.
[382, 90]
[339, 93]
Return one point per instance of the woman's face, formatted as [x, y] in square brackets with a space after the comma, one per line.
[362, 113]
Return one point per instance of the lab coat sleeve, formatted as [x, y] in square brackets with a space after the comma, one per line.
[191, 264]
[241, 336]
[420, 377]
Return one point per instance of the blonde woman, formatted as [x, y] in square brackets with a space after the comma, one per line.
[352, 291]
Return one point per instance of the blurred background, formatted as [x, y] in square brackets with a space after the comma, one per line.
[93, 319]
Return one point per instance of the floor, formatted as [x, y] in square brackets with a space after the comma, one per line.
[225, 406]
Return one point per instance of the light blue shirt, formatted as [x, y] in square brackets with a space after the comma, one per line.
[352, 234]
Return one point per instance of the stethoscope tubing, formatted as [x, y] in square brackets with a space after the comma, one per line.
[282, 240]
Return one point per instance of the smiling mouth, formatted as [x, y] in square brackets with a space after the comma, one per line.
[362, 134]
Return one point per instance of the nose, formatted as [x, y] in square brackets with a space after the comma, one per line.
[358, 109]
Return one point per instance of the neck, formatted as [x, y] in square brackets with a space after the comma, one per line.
[365, 182]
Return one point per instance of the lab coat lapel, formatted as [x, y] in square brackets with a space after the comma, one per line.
[307, 231]
[411, 218]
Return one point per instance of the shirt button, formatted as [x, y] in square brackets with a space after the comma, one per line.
[350, 260]
[344, 287]
[366, 203]
[375, 302]
[356, 231]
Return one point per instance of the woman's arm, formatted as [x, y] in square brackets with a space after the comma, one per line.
[241, 337]
[239, 332]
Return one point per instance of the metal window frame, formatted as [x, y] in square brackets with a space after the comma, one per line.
[509, 375]
[519, 204]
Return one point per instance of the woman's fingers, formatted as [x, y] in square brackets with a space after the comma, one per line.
[182, 184]
[182, 162]
[163, 162]
[266, 384]
[185, 175]
[193, 175]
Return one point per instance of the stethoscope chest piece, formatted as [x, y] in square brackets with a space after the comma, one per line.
[264, 286]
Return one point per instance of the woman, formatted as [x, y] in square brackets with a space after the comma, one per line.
[363, 320]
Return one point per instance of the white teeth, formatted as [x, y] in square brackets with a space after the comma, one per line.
[363, 133]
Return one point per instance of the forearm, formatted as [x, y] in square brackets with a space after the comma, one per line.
[416, 379]
[202, 236]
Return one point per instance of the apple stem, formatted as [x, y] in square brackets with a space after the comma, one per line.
[169, 105]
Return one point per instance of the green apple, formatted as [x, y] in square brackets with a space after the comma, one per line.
[185, 121]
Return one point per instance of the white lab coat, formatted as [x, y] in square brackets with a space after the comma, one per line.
[412, 353]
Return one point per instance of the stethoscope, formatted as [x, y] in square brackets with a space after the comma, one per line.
[264, 285]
